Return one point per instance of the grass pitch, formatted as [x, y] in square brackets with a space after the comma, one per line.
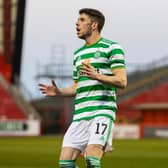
[43, 152]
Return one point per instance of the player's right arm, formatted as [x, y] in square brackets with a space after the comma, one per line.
[53, 90]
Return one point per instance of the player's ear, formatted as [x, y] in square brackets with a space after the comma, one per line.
[94, 25]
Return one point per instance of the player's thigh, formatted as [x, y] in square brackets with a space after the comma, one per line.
[95, 150]
[68, 153]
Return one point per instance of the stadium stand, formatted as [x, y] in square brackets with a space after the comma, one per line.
[142, 81]
[9, 108]
[5, 69]
[13, 105]
[149, 85]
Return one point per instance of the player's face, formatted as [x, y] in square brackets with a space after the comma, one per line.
[84, 26]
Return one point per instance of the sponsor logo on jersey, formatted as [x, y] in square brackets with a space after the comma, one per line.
[81, 73]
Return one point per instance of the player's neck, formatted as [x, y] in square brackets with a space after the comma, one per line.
[93, 39]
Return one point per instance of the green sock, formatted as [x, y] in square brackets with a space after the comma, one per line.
[92, 162]
[67, 164]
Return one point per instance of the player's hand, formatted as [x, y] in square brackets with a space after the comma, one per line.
[89, 70]
[49, 90]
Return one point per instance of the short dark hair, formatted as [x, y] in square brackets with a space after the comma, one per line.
[95, 15]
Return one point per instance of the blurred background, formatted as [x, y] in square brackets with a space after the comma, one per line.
[37, 41]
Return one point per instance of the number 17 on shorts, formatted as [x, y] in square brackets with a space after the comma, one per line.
[101, 131]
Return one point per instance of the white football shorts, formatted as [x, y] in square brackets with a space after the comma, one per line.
[98, 130]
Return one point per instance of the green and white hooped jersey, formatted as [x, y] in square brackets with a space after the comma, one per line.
[94, 98]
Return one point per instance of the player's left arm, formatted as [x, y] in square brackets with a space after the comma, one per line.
[119, 78]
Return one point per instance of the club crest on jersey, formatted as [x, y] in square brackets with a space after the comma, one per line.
[97, 54]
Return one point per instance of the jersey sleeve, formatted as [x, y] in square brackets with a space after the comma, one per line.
[116, 57]
[75, 76]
